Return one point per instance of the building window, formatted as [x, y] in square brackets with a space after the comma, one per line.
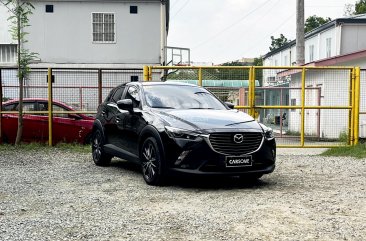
[328, 47]
[8, 53]
[311, 53]
[133, 9]
[103, 28]
[285, 61]
[293, 103]
[49, 8]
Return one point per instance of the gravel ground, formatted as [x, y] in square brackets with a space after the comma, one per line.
[52, 195]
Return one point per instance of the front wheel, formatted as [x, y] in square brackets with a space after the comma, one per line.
[100, 158]
[152, 162]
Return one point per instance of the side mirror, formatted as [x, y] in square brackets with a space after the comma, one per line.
[230, 105]
[125, 104]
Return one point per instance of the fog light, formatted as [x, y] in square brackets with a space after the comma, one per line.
[182, 156]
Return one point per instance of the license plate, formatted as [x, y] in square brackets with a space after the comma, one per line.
[238, 161]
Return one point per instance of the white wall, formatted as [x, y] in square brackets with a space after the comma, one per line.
[5, 37]
[65, 36]
[353, 38]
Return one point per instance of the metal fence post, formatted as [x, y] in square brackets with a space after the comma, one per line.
[357, 105]
[200, 76]
[251, 91]
[50, 109]
[100, 83]
[302, 141]
[352, 104]
[1, 104]
[146, 73]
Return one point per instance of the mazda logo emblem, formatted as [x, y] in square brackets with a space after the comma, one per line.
[238, 138]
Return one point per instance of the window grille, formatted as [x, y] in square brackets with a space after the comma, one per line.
[8, 53]
[103, 28]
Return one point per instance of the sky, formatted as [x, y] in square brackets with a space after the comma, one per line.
[220, 31]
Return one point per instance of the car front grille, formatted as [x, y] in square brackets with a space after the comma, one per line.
[224, 142]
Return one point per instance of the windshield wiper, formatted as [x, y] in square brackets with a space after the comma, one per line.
[197, 108]
[237, 123]
[162, 107]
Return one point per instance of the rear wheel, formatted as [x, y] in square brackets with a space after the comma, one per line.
[152, 162]
[100, 158]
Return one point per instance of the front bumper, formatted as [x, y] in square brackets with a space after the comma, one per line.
[201, 159]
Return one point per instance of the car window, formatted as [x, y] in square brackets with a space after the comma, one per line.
[59, 108]
[10, 107]
[117, 94]
[134, 95]
[181, 97]
[27, 106]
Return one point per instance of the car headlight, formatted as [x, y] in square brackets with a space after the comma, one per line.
[180, 133]
[268, 132]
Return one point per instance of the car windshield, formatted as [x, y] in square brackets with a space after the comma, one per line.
[181, 97]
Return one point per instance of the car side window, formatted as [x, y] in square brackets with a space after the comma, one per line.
[27, 106]
[59, 108]
[117, 94]
[133, 94]
[10, 107]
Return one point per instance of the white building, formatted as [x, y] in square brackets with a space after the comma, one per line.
[89, 33]
[341, 42]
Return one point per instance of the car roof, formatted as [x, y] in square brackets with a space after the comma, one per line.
[34, 100]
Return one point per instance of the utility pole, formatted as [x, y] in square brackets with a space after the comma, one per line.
[300, 33]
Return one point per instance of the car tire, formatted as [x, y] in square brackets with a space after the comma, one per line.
[100, 158]
[152, 162]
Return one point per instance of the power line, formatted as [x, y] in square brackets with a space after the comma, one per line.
[183, 6]
[230, 26]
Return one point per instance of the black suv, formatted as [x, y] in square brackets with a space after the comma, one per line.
[171, 127]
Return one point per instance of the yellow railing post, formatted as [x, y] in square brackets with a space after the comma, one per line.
[50, 109]
[251, 91]
[200, 76]
[146, 73]
[352, 104]
[302, 141]
[357, 105]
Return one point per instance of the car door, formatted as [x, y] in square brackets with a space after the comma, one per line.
[109, 112]
[30, 123]
[129, 124]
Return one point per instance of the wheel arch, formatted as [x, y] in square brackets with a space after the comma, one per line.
[150, 131]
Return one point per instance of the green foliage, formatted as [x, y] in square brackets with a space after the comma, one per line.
[358, 151]
[314, 21]
[343, 137]
[19, 20]
[278, 42]
[353, 9]
[360, 7]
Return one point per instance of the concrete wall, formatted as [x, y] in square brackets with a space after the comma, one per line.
[65, 36]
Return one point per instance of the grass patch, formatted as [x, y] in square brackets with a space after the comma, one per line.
[70, 147]
[358, 151]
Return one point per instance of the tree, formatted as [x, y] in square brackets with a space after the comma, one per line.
[19, 19]
[360, 7]
[278, 42]
[353, 9]
[314, 21]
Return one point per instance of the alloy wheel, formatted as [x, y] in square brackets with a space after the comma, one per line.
[150, 163]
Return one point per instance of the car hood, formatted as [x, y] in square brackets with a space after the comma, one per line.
[205, 119]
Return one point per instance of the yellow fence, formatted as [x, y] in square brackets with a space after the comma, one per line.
[306, 106]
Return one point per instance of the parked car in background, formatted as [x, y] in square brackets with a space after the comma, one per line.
[180, 128]
[67, 127]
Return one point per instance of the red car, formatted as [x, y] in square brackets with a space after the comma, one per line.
[66, 127]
